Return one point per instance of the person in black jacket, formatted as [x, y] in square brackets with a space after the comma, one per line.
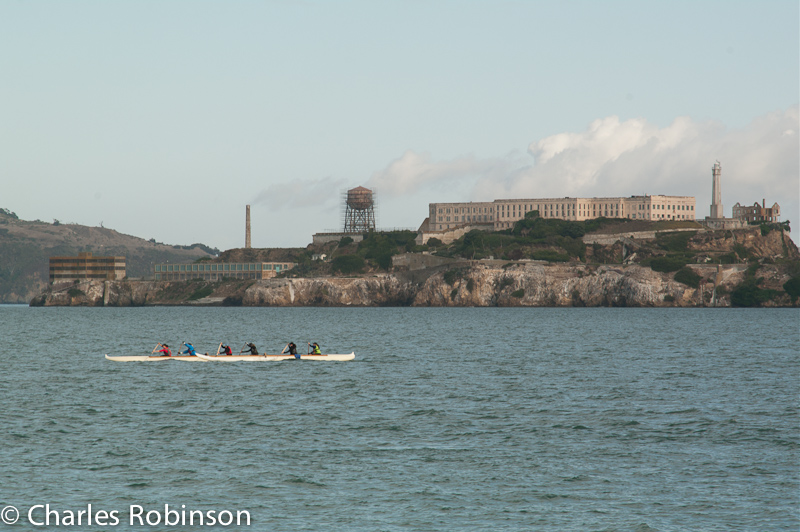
[292, 349]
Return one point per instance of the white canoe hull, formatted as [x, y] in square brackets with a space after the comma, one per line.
[274, 358]
[146, 358]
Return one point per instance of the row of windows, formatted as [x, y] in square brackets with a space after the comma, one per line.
[84, 264]
[664, 216]
[85, 275]
[657, 207]
[465, 210]
[252, 266]
[70, 268]
[208, 276]
[585, 207]
[505, 208]
[467, 218]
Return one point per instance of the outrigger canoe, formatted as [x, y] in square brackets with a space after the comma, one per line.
[265, 357]
[228, 358]
[147, 358]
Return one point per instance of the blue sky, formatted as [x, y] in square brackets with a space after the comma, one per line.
[164, 119]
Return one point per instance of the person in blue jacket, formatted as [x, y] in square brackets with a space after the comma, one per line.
[189, 349]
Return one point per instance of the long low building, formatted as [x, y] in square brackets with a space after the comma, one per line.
[215, 271]
[503, 213]
[86, 266]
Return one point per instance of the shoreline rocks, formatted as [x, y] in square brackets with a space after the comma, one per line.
[530, 284]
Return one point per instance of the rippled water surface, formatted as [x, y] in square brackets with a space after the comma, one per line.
[448, 419]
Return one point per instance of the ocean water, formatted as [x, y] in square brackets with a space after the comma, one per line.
[448, 419]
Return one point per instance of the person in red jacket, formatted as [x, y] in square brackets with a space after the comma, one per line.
[164, 349]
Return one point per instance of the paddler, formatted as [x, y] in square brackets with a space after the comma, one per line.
[189, 349]
[314, 349]
[292, 350]
[164, 349]
[226, 349]
[253, 348]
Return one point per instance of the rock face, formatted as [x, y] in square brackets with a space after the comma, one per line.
[773, 245]
[545, 285]
[103, 293]
[379, 290]
[527, 284]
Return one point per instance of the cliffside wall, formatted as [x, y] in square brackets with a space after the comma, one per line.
[527, 284]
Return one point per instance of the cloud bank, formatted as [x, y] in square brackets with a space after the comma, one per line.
[620, 158]
[321, 193]
[413, 171]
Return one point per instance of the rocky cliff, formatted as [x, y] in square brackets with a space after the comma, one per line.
[517, 284]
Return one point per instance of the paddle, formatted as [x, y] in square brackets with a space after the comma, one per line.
[152, 353]
[242, 349]
[218, 348]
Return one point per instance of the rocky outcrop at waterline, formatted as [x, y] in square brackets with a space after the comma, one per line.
[475, 284]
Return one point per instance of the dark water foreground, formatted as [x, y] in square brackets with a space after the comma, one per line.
[448, 419]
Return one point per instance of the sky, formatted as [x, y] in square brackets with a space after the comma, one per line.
[164, 119]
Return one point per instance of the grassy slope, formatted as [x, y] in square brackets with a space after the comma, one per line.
[25, 249]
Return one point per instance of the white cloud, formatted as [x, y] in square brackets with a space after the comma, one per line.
[321, 193]
[413, 171]
[621, 158]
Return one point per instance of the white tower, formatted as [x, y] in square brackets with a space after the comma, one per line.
[716, 192]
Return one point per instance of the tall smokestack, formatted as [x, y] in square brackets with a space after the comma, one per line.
[247, 228]
[716, 192]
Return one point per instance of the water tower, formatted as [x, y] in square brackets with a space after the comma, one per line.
[359, 215]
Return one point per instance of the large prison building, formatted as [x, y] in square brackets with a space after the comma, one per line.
[215, 271]
[86, 266]
[503, 213]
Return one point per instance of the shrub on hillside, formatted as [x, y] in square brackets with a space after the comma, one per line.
[384, 260]
[380, 246]
[347, 264]
[688, 277]
[452, 275]
[792, 287]
[748, 294]
[201, 292]
[667, 264]
[674, 242]
[550, 255]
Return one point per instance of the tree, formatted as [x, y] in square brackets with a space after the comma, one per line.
[792, 287]
[347, 264]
